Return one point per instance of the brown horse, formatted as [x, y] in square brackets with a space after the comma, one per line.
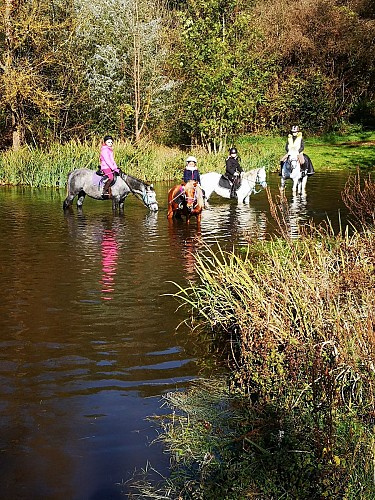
[185, 199]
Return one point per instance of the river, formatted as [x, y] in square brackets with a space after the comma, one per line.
[88, 329]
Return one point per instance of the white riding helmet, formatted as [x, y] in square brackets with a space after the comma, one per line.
[295, 129]
[191, 158]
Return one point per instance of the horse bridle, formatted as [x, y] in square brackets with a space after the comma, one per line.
[143, 195]
[193, 199]
[293, 163]
[257, 181]
[183, 193]
[146, 196]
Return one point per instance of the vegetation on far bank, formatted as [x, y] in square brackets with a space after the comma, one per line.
[151, 162]
[177, 70]
[293, 322]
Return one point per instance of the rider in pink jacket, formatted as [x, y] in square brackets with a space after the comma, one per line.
[107, 162]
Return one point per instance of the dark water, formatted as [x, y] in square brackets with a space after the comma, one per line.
[88, 335]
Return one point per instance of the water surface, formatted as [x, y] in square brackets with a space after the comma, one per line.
[88, 331]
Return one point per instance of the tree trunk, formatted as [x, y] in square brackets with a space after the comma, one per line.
[17, 129]
[18, 134]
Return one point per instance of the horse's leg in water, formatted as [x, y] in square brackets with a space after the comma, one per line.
[68, 201]
[81, 199]
[121, 204]
[245, 200]
[303, 184]
[115, 203]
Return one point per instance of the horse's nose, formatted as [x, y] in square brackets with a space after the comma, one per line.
[154, 207]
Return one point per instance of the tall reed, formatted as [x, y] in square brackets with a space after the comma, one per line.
[295, 321]
[147, 161]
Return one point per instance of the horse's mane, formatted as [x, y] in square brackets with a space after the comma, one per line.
[250, 173]
[198, 191]
[139, 184]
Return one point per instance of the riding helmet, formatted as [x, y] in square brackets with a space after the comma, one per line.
[232, 151]
[191, 158]
[295, 129]
[108, 138]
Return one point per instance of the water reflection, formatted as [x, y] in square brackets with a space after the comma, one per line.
[185, 239]
[110, 249]
[297, 214]
[233, 223]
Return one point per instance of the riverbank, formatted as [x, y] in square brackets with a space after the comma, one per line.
[292, 322]
[152, 162]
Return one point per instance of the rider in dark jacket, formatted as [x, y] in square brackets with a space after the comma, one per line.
[191, 172]
[232, 168]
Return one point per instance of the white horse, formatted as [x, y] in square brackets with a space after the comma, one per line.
[292, 170]
[210, 183]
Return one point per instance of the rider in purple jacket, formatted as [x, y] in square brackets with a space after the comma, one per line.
[107, 163]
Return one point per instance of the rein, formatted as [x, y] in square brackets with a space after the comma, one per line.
[188, 198]
[143, 196]
[182, 191]
[254, 190]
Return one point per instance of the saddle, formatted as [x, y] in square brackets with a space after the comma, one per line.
[224, 182]
[104, 177]
[308, 166]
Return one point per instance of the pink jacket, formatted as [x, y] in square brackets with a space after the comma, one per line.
[107, 160]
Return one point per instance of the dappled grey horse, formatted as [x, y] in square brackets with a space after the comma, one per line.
[83, 181]
[292, 169]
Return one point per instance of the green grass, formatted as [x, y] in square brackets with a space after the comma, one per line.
[151, 162]
[328, 152]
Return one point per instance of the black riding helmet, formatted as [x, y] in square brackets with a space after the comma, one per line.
[107, 138]
[232, 151]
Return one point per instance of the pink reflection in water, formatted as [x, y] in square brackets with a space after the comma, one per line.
[109, 263]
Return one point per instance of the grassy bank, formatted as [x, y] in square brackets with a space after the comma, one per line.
[293, 322]
[35, 167]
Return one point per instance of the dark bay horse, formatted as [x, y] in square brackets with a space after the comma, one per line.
[187, 200]
[83, 181]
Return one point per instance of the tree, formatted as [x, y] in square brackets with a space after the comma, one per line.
[323, 55]
[218, 86]
[125, 58]
[30, 40]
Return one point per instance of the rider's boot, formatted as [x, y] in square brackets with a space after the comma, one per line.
[233, 193]
[106, 189]
[281, 168]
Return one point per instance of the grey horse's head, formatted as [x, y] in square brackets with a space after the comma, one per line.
[149, 198]
[262, 177]
[143, 190]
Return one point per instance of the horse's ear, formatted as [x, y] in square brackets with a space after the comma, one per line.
[151, 186]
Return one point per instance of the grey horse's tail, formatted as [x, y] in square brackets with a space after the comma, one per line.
[67, 182]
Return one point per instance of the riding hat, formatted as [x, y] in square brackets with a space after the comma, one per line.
[108, 138]
[232, 151]
[295, 129]
[191, 158]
